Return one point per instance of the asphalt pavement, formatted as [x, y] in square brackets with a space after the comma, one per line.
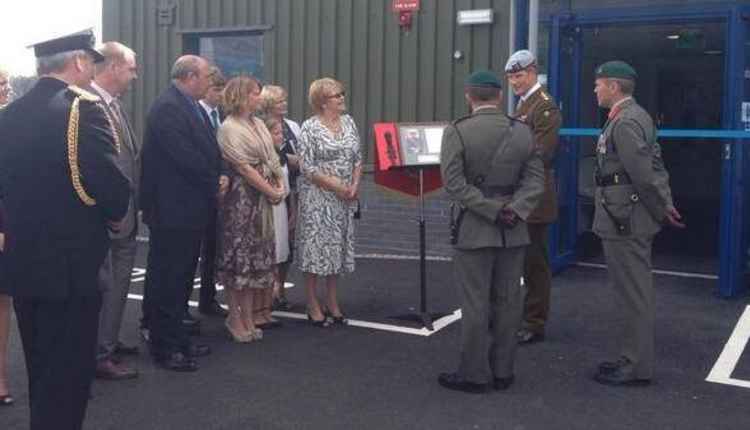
[381, 373]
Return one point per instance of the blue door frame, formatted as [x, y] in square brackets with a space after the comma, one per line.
[733, 232]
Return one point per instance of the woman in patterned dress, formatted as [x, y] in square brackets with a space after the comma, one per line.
[5, 398]
[331, 166]
[245, 260]
[275, 105]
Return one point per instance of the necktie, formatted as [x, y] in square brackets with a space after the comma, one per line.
[121, 123]
[215, 119]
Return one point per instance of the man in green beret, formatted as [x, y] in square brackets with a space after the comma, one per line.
[493, 172]
[632, 201]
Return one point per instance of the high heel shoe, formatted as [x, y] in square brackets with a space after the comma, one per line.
[237, 336]
[336, 320]
[318, 323]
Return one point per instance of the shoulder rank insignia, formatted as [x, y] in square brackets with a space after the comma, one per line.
[83, 94]
[544, 95]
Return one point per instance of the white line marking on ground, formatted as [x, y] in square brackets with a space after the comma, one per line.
[727, 361]
[658, 272]
[437, 324]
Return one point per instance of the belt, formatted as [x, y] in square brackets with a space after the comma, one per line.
[613, 179]
[497, 191]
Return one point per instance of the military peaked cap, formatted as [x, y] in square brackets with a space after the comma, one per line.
[616, 69]
[483, 78]
[520, 60]
[83, 40]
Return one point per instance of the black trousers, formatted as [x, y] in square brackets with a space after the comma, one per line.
[208, 260]
[172, 260]
[59, 342]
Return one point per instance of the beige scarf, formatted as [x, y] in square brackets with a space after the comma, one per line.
[248, 142]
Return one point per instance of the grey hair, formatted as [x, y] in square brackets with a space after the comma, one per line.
[113, 52]
[626, 86]
[185, 66]
[56, 63]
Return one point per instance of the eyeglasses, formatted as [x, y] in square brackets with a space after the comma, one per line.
[337, 95]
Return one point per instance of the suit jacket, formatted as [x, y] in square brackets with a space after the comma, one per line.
[466, 148]
[541, 113]
[628, 144]
[56, 243]
[181, 164]
[129, 160]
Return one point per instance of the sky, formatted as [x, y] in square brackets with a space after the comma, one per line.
[25, 22]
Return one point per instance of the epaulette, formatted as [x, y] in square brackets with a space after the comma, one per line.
[465, 117]
[83, 94]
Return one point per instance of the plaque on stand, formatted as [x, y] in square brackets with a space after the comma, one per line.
[407, 159]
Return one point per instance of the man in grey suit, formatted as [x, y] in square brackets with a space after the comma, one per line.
[491, 168]
[633, 200]
[113, 77]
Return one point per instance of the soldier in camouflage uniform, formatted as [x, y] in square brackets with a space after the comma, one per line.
[632, 202]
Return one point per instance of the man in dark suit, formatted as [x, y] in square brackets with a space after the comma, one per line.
[61, 190]
[179, 186]
[211, 104]
[112, 78]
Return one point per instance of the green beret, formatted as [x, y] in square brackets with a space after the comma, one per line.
[483, 78]
[616, 69]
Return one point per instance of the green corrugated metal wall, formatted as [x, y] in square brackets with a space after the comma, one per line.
[390, 75]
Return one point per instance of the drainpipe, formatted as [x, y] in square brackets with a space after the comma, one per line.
[534, 26]
[510, 107]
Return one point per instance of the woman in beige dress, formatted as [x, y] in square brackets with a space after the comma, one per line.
[246, 255]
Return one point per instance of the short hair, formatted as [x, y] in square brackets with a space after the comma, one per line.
[216, 78]
[271, 123]
[185, 66]
[236, 91]
[113, 52]
[483, 94]
[270, 96]
[626, 86]
[319, 90]
[56, 63]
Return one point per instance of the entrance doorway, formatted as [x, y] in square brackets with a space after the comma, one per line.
[680, 80]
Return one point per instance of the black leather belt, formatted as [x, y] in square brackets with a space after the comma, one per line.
[613, 179]
[497, 191]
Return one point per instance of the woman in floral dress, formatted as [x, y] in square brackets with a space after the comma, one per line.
[245, 261]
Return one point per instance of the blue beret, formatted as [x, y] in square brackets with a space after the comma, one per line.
[520, 60]
[616, 69]
[483, 78]
[83, 40]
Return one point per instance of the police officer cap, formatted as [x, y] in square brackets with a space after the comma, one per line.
[83, 40]
[520, 60]
[483, 78]
[616, 69]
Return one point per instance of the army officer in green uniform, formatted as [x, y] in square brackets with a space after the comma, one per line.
[537, 109]
[633, 201]
[492, 170]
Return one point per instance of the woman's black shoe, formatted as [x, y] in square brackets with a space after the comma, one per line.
[318, 323]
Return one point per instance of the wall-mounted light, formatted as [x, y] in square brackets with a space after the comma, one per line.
[476, 16]
[673, 36]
